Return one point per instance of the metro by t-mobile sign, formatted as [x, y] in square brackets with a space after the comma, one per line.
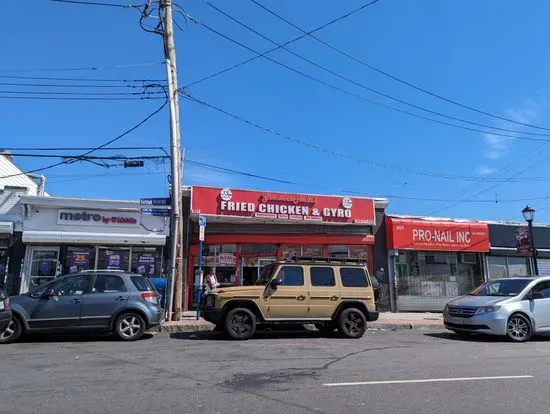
[418, 234]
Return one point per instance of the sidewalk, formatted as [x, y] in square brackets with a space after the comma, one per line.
[387, 321]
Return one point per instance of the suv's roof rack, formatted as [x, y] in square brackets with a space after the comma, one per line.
[325, 259]
[103, 270]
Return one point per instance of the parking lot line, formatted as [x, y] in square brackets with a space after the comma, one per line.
[420, 381]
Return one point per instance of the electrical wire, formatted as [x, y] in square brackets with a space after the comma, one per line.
[97, 3]
[95, 148]
[389, 75]
[319, 148]
[86, 68]
[73, 98]
[380, 104]
[84, 93]
[363, 86]
[70, 85]
[80, 149]
[49, 78]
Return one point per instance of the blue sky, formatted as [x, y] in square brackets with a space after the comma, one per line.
[490, 55]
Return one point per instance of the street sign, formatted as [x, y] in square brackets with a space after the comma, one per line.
[159, 212]
[155, 201]
[202, 221]
[201, 233]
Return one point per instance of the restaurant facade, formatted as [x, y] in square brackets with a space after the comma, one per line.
[246, 230]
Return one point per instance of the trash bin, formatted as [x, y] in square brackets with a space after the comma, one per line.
[160, 285]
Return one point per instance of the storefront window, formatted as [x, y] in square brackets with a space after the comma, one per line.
[338, 251]
[114, 258]
[310, 250]
[78, 258]
[258, 249]
[437, 274]
[146, 261]
[359, 252]
[43, 266]
[290, 250]
[502, 266]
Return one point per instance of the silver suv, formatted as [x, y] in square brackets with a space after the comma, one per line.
[517, 307]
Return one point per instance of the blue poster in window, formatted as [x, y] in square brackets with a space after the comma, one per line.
[115, 259]
[78, 260]
[146, 264]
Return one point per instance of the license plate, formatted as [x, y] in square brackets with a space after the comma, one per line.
[2, 307]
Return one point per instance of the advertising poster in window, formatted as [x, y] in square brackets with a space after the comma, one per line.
[313, 250]
[78, 259]
[115, 259]
[146, 264]
[46, 267]
[290, 250]
[523, 240]
[359, 252]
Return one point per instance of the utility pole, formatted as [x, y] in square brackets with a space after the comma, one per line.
[176, 270]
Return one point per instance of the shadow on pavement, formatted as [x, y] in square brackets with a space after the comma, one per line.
[50, 338]
[264, 334]
[478, 337]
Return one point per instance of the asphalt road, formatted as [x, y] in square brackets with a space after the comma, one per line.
[203, 373]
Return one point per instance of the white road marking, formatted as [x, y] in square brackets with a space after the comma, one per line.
[421, 381]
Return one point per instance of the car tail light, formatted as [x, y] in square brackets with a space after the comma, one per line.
[150, 297]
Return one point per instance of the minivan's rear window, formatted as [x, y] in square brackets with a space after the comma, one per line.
[142, 284]
[353, 277]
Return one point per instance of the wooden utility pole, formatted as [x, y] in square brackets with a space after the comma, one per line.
[176, 270]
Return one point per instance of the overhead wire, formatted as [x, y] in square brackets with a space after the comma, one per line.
[57, 78]
[383, 105]
[389, 75]
[340, 154]
[97, 3]
[363, 86]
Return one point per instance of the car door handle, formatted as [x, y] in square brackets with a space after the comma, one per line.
[120, 298]
[75, 301]
[301, 297]
[334, 298]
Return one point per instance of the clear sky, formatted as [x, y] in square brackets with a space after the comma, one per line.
[491, 55]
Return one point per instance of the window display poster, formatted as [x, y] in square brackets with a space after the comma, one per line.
[359, 252]
[78, 260]
[146, 264]
[115, 259]
[290, 250]
[313, 250]
[46, 267]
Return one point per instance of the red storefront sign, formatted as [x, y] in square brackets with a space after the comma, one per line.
[282, 206]
[415, 234]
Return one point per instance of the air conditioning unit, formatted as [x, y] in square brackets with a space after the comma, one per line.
[468, 258]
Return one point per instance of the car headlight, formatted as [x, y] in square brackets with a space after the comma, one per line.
[446, 310]
[487, 309]
[210, 300]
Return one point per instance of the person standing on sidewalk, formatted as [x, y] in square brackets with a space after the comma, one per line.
[210, 280]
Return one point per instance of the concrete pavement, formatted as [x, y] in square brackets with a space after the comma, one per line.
[387, 321]
[196, 372]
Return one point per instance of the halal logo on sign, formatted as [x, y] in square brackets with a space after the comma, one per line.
[346, 202]
[226, 194]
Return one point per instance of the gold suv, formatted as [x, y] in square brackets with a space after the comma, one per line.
[330, 293]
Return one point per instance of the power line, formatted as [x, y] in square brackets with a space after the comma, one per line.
[95, 148]
[49, 78]
[87, 157]
[382, 72]
[363, 86]
[338, 19]
[70, 85]
[79, 149]
[85, 68]
[73, 98]
[83, 93]
[97, 3]
[284, 181]
[386, 106]
[319, 148]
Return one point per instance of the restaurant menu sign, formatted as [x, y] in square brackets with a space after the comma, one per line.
[415, 234]
[282, 206]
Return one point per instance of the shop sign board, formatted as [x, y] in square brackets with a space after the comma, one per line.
[158, 212]
[416, 234]
[226, 259]
[155, 201]
[97, 218]
[523, 240]
[282, 206]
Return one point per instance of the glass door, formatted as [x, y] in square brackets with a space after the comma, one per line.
[43, 265]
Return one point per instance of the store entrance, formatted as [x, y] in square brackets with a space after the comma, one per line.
[252, 268]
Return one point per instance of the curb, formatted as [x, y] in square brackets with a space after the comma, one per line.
[207, 327]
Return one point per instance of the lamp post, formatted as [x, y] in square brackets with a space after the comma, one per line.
[529, 216]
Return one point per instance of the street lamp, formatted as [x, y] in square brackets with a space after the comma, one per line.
[529, 216]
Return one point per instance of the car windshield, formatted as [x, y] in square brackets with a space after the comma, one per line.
[502, 287]
[267, 272]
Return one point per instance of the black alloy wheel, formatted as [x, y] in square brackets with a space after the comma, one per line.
[240, 323]
[13, 332]
[352, 323]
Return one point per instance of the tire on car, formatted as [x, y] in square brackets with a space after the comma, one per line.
[352, 323]
[519, 328]
[13, 332]
[240, 323]
[129, 326]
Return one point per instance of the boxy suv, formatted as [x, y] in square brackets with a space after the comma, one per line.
[125, 304]
[330, 293]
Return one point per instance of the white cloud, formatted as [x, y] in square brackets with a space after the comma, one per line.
[484, 170]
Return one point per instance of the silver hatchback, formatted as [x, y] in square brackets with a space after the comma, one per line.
[517, 307]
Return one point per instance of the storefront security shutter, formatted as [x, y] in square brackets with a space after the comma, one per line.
[544, 267]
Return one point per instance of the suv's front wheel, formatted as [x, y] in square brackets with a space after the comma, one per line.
[352, 323]
[240, 323]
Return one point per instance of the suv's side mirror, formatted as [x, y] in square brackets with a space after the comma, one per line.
[49, 293]
[276, 282]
